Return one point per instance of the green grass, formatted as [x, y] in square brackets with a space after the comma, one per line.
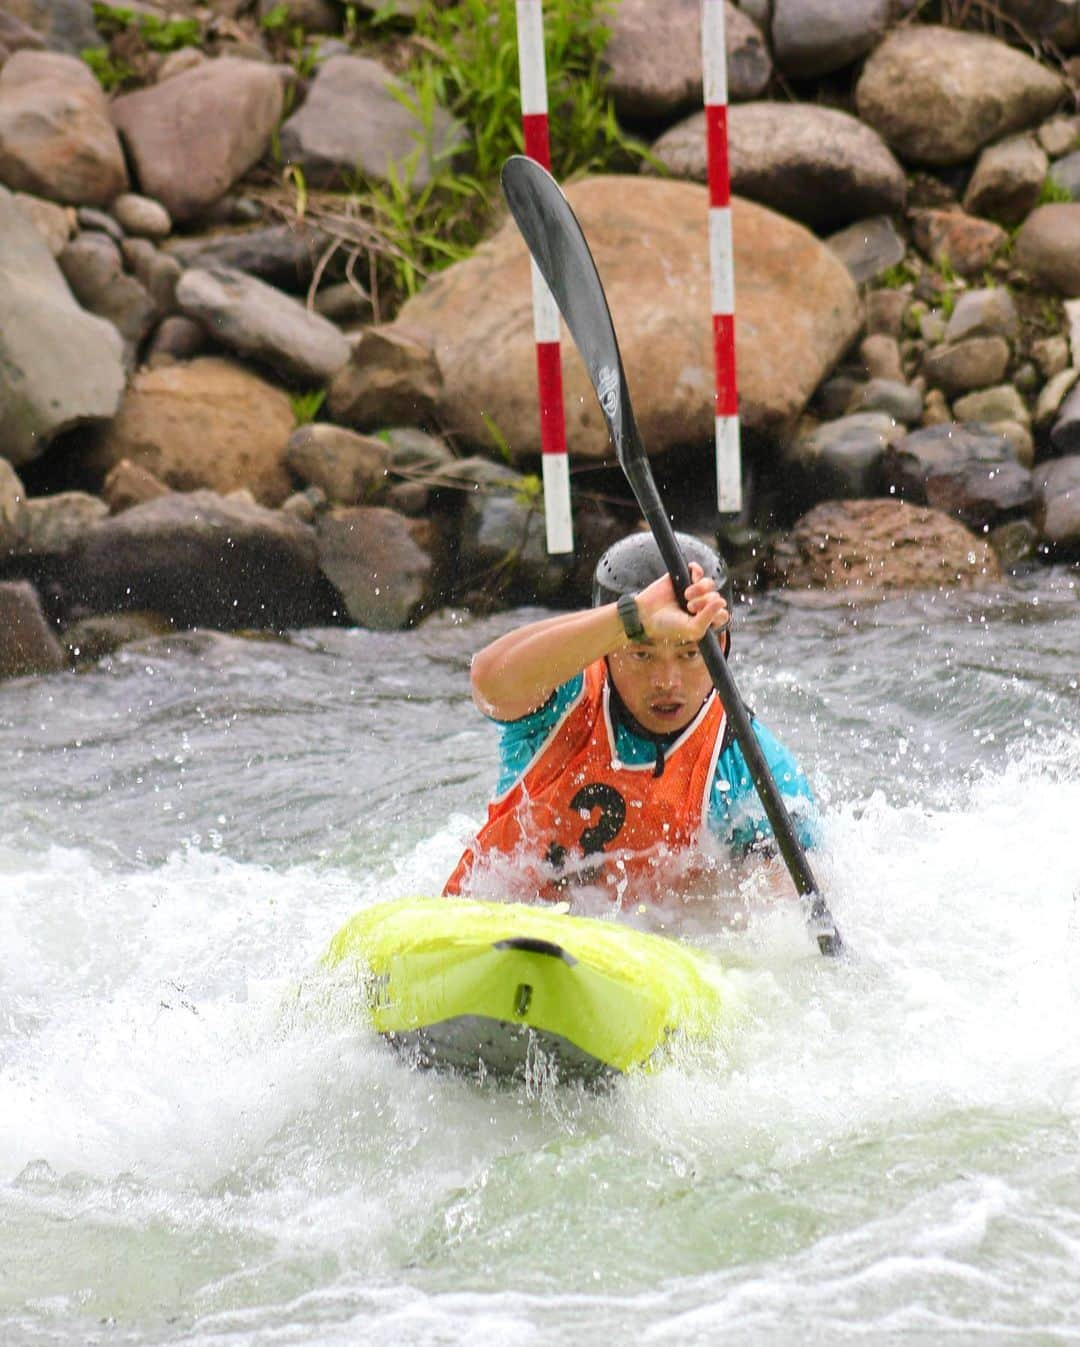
[467, 64]
[1053, 193]
[306, 406]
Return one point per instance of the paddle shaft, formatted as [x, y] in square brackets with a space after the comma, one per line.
[559, 248]
[638, 471]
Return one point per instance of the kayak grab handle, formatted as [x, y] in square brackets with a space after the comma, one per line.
[531, 945]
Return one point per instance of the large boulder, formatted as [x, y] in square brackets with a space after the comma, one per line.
[58, 364]
[257, 321]
[1048, 246]
[938, 95]
[814, 164]
[798, 310]
[654, 81]
[356, 120]
[207, 423]
[193, 136]
[201, 559]
[814, 37]
[56, 137]
[874, 547]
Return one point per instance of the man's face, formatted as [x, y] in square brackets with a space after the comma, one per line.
[663, 683]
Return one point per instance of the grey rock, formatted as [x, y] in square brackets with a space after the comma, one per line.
[1066, 173]
[258, 321]
[56, 136]
[343, 303]
[1052, 396]
[141, 216]
[843, 459]
[355, 122]
[12, 500]
[193, 136]
[176, 339]
[1015, 543]
[374, 559]
[1059, 135]
[881, 357]
[990, 405]
[1065, 435]
[92, 638]
[814, 37]
[282, 255]
[897, 400]
[58, 364]
[1051, 355]
[52, 526]
[885, 312]
[868, 248]
[64, 25]
[937, 95]
[98, 221]
[1048, 246]
[814, 164]
[502, 533]
[206, 560]
[966, 470]
[1007, 180]
[984, 313]
[27, 642]
[959, 367]
[651, 82]
[155, 271]
[1057, 507]
[94, 270]
[53, 222]
[348, 468]
[389, 378]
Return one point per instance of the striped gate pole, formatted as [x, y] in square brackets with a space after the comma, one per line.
[721, 258]
[534, 120]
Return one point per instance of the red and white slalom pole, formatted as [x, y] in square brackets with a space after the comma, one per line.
[534, 120]
[721, 258]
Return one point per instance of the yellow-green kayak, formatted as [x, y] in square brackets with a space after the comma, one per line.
[495, 987]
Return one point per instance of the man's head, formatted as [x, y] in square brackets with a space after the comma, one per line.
[634, 562]
[661, 683]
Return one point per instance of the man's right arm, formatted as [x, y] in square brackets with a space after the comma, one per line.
[518, 672]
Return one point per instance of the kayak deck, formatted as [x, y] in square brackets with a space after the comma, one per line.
[498, 988]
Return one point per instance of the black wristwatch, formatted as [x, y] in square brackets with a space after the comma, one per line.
[626, 604]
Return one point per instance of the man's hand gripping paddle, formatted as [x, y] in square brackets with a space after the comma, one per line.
[559, 250]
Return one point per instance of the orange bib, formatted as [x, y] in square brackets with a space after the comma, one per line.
[579, 817]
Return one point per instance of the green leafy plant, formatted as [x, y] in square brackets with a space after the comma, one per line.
[467, 65]
[895, 277]
[1053, 192]
[306, 406]
[110, 74]
[159, 34]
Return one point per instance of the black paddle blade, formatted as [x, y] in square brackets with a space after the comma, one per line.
[558, 247]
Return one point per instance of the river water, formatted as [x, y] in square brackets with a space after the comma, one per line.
[196, 1149]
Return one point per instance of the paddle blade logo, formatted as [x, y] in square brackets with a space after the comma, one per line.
[607, 390]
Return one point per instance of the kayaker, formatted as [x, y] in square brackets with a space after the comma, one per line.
[614, 745]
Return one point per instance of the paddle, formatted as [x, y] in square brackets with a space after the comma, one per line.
[557, 244]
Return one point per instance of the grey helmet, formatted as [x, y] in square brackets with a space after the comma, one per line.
[634, 562]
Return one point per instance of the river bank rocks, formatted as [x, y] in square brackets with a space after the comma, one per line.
[213, 412]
